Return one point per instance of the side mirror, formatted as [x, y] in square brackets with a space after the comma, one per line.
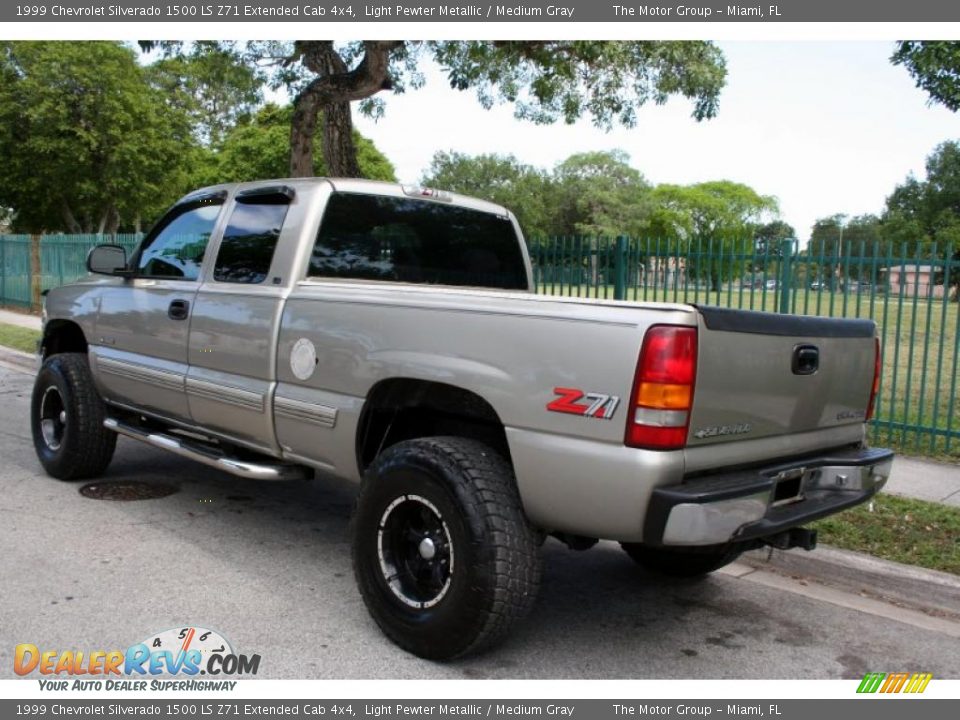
[107, 260]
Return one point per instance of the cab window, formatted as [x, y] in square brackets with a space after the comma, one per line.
[249, 241]
[176, 248]
[373, 237]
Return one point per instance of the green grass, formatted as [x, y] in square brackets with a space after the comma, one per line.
[901, 529]
[19, 338]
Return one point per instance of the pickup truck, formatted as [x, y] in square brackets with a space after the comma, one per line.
[392, 335]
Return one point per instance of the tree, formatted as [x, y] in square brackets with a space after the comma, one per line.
[715, 222]
[935, 66]
[259, 148]
[502, 179]
[544, 80]
[922, 217]
[211, 86]
[921, 213]
[768, 238]
[600, 194]
[825, 238]
[88, 144]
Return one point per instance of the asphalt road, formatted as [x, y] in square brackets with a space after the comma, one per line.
[268, 566]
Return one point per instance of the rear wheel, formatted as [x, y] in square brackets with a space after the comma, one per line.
[693, 562]
[66, 418]
[444, 557]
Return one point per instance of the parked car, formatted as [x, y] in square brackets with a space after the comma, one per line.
[391, 335]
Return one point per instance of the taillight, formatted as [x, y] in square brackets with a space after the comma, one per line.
[876, 380]
[659, 410]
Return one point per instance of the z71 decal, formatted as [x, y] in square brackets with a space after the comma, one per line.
[595, 405]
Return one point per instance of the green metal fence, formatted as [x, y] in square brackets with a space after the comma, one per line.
[909, 294]
[63, 258]
[15, 275]
[30, 264]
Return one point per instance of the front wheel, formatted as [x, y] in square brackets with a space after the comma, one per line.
[443, 555]
[66, 418]
[688, 563]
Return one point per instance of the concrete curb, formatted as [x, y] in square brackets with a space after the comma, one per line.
[915, 587]
[25, 362]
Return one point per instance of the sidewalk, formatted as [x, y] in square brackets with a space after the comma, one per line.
[22, 319]
[925, 480]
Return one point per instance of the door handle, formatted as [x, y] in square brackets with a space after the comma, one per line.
[178, 310]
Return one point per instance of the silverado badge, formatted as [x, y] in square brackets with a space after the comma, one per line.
[718, 430]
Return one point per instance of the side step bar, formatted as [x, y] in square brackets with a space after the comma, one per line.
[210, 456]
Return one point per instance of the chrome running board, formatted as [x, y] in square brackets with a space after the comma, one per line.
[210, 456]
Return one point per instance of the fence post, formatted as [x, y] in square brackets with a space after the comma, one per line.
[36, 272]
[786, 273]
[620, 269]
[3, 270]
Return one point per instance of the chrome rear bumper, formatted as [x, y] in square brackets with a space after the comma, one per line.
[751, 504]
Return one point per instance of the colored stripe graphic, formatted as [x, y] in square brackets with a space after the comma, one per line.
[894, 682]
[871, 682]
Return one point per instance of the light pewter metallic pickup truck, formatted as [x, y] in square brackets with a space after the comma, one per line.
[391, 335]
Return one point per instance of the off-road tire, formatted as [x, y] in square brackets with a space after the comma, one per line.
[495, 556]
[695, 562]
[83, 447]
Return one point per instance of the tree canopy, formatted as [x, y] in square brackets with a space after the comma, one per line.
[212, 86]
[715, 221]
[545, 81]
[843, 247]
[769, 236]
[921, 213]
[935, 66]
[599, 193]
[87, 143]
[715, 209]
[93, 141]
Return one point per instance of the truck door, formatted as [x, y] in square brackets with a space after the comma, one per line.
[233, 331]
[140, 348]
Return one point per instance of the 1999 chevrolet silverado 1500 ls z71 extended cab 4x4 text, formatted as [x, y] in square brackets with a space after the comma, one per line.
[390, 335]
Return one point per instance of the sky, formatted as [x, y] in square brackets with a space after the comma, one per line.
[826, 127]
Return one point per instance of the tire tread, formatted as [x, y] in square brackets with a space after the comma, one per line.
[483, 480]
[91, 445]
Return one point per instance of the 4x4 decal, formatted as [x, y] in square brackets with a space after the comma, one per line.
[597, 405]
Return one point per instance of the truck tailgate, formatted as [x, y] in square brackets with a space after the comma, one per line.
[761, 375]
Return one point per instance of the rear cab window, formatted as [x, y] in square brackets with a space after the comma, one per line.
[376, 237]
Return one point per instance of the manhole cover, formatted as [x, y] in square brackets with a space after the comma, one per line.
[127, 490]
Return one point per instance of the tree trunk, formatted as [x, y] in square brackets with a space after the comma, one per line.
[302, 129]
[339, 151]
[68, 218]
[332, 92]
[113, 220]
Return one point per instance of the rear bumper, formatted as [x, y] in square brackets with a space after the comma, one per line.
[750, 504]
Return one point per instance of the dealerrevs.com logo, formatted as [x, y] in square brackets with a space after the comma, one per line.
[155, 664]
